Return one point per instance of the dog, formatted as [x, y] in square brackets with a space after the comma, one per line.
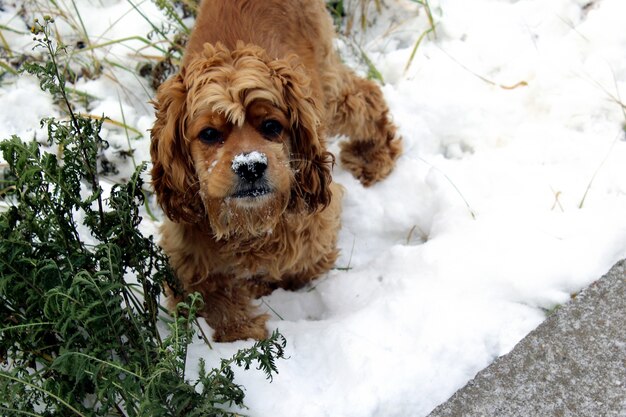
[240, 161]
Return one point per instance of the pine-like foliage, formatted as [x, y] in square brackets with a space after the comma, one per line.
[79, 288]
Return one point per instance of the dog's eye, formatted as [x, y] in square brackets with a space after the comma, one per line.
[211, 136]
[271, 128]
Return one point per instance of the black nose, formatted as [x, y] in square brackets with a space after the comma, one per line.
[250, 166]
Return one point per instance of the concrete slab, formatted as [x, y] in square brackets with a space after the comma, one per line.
[573, 364]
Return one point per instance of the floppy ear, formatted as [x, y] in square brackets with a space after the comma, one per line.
[173, 175]
[310, 160]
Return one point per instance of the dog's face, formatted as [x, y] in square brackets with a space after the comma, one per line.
[243, 170]
[237, 142]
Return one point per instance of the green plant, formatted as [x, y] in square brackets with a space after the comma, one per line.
[344, 14]
[431, 30]
[80, 331]
[177, 10]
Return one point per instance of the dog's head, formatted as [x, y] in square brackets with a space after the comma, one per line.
[238, 140]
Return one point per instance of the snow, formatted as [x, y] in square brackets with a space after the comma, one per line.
[250, 160]
[509, 197]
[23, 105]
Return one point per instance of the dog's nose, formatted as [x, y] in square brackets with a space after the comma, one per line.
[250, 166]
[252, 171]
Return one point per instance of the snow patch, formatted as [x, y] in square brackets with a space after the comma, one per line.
[212, 166]
[249, 159]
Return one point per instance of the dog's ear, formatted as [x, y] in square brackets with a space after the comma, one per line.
[173, 175]
[310, 160]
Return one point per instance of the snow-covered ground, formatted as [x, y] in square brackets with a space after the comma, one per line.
[510, 195]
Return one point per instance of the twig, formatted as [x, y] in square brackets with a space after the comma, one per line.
[593, 177]
[486, 80]
[452, 184]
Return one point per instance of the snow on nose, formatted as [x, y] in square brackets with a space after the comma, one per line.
[250, 166]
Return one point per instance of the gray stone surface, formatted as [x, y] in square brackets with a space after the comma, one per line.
[573, 364]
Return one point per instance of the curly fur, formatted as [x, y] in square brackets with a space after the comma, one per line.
[248, 62]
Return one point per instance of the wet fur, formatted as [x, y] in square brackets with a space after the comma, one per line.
[247, 62]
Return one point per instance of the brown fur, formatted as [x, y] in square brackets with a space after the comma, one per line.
[247, 62]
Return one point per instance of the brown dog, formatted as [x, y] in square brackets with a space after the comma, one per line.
[239, 155]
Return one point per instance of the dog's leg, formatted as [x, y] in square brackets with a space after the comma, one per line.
[318, 251]
[294, 282]
[229, 311]
[358, 110]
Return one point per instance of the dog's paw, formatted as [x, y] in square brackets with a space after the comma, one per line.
[253, 328]
[368, 161]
